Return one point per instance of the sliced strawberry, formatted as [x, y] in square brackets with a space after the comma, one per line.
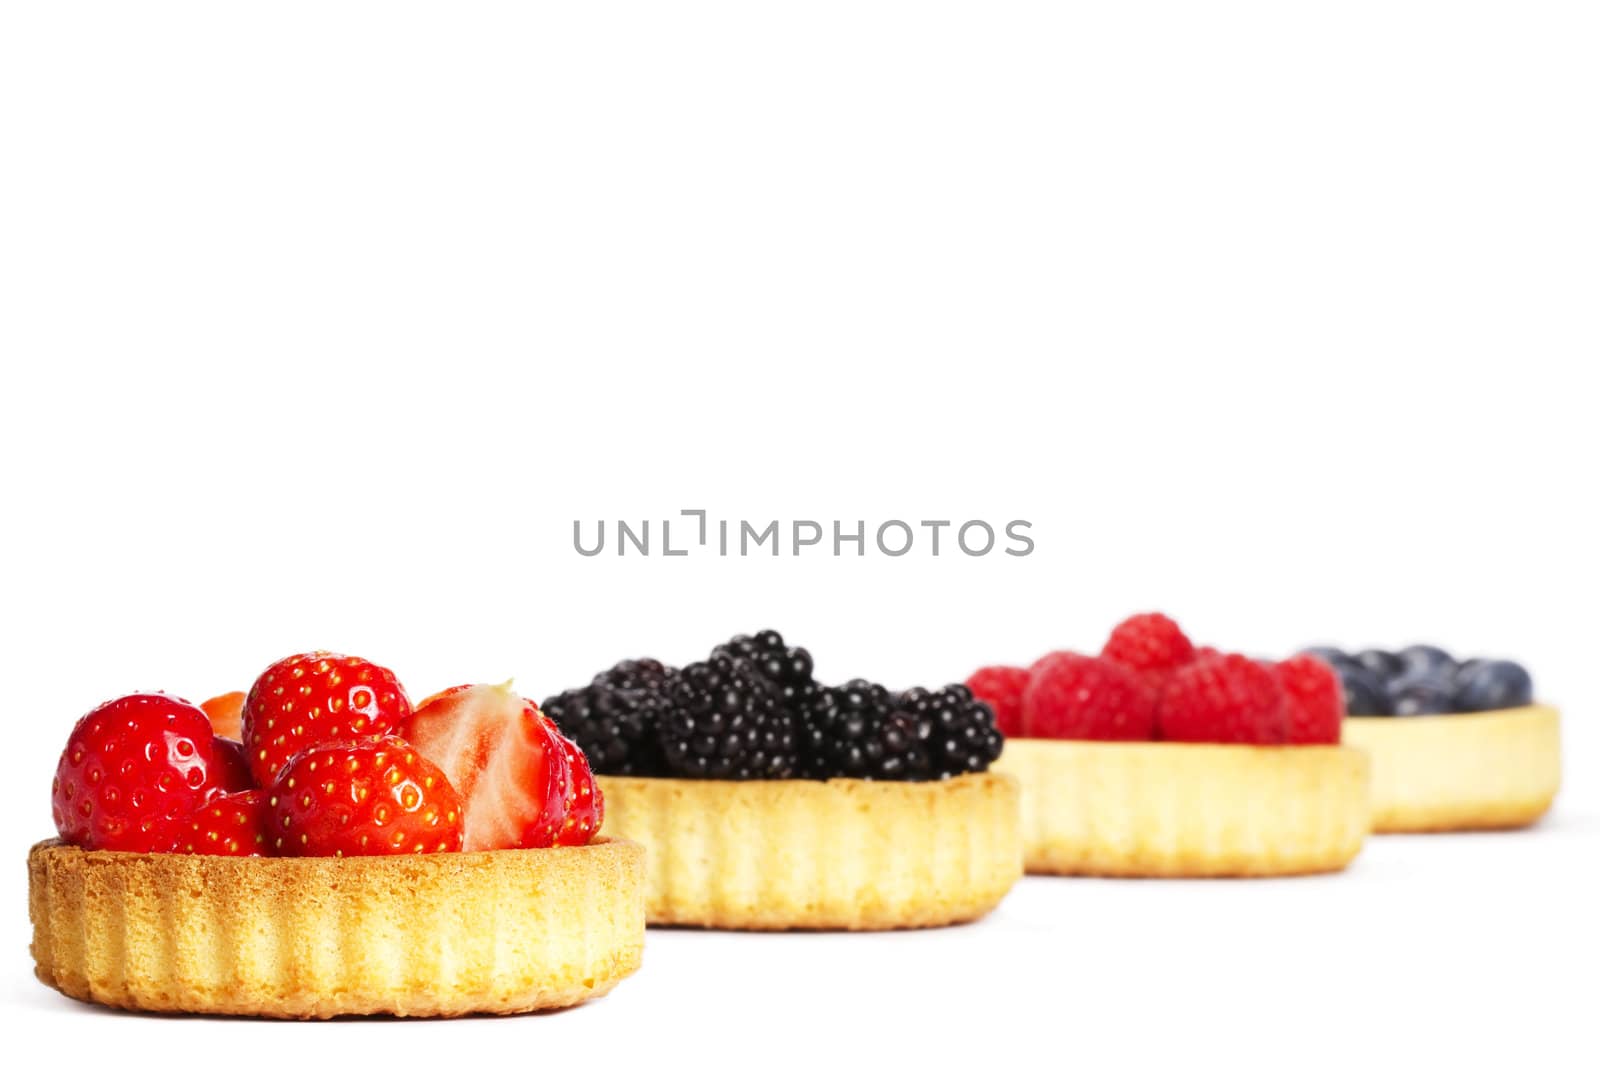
[586, 806]
[504, 757]
[224, 712]
[376, 796]
[314, 697]
[230, 824]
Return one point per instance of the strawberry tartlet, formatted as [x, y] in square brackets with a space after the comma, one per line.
[351, 855]
[1158, 759]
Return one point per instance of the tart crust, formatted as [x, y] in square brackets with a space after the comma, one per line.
[444, 934]
[844, 854]
[1480, 770]
[1170, 810]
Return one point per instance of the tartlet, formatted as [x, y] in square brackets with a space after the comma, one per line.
[499, 932]
[1159, 809]
[844, 854]
[1481, 770]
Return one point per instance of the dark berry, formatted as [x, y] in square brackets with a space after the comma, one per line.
[1426, 661]
[1416, 694]
[648, 674]
[1383, 663]
[964, 738]
[1492, 683]
[725, 720]
[615, 728]
[787, 669]
[1365, 696]
[857, 730]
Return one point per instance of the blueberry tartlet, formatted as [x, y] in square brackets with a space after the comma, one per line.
[767, 800]
[353, 856]
[1155, 759]
[1454, 745]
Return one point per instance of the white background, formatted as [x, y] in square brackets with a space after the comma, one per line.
[321, 324]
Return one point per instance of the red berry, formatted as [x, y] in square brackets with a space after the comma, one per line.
[505, 758]
[229, 824]
[133, 770]
[1316, 700]
[1152, 646]
[586, 806]
[376, 796]
[1229, 699]
[1001, 688]
[231, 766]
[314, 697]
[1087, 698]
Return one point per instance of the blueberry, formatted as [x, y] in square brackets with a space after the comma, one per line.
[1493, 683]
[1333, 657]
[1419, 694]
[1384, 664]
[1426, 660]
[1364, 694]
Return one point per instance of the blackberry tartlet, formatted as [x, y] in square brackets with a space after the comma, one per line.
[1454, 745]
[1155, 759]
[768, 800]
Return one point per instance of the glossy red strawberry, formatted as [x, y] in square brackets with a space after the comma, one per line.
[586, 807]
[505, 758]
[229, 824]
[314, 697]
[132, 772]
[376, 796]
[230, 766]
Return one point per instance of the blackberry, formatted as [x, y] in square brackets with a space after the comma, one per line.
[861, 730]
[858, 730]
[964, 738]
[724, 720]
[616, 728]
[647, 674]
[787, 669]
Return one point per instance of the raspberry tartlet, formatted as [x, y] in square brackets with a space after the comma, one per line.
[1157, 759]
[354, 856]
[1454, 745]
[766, 800]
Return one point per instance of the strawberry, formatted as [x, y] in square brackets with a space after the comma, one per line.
[375, 796]
[224, 712]
[1073, 697]
[1229, 699]
[231, 766]
[1001, 688]
[586, 806]
[1316, 700]
[133, 771]
[1150, 645]
[314, 697]
[229, 824]
[504, 756]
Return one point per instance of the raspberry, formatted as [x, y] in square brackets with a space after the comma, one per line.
[1316, 700]
[1001, 688]
[1228, 699]
[1087, 698]
[1151, 646]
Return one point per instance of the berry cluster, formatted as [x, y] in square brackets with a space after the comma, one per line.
[754, 710]
[334, 761]
[1424, 680]
[1149, 683]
